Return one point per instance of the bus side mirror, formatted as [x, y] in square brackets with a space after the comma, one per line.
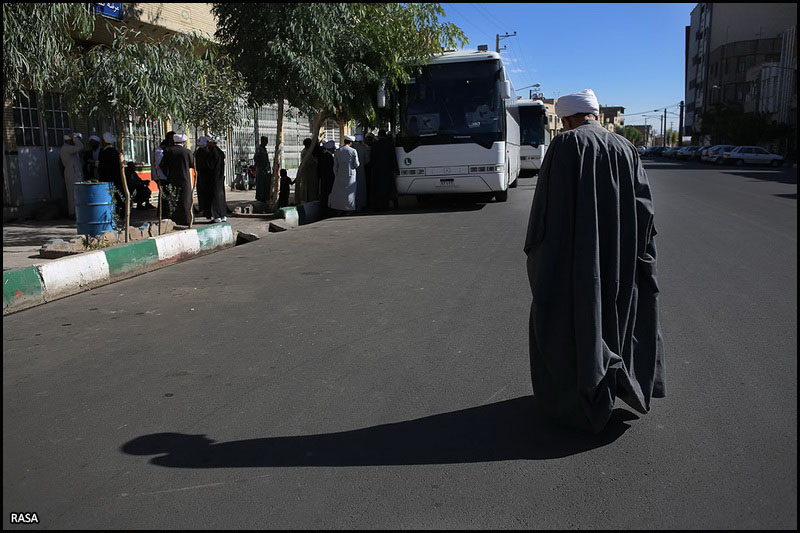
[506, 90]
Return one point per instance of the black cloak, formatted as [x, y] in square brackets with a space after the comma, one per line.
[594, 331]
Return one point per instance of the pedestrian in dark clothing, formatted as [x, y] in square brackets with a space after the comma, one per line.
[219, 207]
[263, 172]
[109, 169]
[176, 164]
[326, 175]
[91, 159]
[205, 177]
[384, 172]
[285, 183]
[594, 330]
[140, 189]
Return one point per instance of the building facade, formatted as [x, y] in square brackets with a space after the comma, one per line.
[611, 117]
[737, 53]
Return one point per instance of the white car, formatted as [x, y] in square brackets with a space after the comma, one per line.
[754, 155]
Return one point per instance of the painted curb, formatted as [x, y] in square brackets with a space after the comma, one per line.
[38, 284]
[22, 288]
[301, 215]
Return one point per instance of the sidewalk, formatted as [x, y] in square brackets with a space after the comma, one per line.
[23, 239]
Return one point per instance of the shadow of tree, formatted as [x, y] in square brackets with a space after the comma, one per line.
[501, 431]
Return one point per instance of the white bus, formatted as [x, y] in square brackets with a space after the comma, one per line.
[458, 132]
[534, 135]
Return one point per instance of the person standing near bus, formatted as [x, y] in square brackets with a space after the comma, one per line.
[263, 173]
[361, 172]
[345, 163]
[594, 332]
[216, 188]
[70, 155]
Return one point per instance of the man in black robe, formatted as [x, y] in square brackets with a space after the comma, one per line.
[384, 172]
[205, 178]
[326, 175]
[109, 169]
[216, 161]
[594, 331]
[176, 163]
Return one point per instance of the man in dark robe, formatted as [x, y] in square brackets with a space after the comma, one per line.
[594, 331]
[326, 175]
[176, 163]
[109, 169]
[263, 172]
[205, 177]
[219, 207]
[384, 171]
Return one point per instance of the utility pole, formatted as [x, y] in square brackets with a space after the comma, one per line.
[661, 128]
[498, 37]
[665, 126]
[680, 127]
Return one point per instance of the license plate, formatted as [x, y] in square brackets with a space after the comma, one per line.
[446, 182]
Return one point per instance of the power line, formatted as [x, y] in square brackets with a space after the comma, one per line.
[651, 110]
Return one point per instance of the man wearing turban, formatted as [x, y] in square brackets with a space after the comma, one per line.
[594, 332]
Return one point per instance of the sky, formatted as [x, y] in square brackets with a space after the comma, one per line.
[631, 55]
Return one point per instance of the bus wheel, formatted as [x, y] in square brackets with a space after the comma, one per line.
[501, 196]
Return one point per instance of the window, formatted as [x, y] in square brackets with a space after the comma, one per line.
[741, 65]
[760, 151]
[27, 127]
[57, 120]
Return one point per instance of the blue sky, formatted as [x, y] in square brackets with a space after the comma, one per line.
[631, 55]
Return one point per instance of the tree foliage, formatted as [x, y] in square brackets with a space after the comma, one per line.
[630, 133]
[728, 124]
[38, 44]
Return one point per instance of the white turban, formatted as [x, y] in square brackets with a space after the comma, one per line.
[68, 137]
[348, 138]
[110, 139]
[78, 135]
[202, 141]
[94, 138]
[584, 102]
[359, 137]
[179, 138]
[330, 144]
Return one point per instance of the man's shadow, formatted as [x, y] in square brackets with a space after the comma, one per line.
[501, 431]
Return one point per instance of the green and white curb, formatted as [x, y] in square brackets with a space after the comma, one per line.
[38, 284]
[301, 215]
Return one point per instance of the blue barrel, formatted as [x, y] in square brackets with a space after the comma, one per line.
[94, 207]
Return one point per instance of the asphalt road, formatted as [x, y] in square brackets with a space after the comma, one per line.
[372, 372]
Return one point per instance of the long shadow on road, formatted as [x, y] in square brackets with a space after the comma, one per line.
[501, 431]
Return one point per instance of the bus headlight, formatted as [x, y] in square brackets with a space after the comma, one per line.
[412, 172]
[490, 168]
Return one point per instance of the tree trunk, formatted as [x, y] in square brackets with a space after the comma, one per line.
[277, 162]
[124, 179]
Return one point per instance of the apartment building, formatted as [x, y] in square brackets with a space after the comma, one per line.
[727, 48]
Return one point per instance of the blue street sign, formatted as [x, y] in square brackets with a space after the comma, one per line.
[109, 10]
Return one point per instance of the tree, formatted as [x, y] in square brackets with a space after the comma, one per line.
[156, 80]
[38, 45]
[287, 59]
[328, 59]
[630, 133]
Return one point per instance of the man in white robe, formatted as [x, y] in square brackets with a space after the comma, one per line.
[73, 167]
[345, 163]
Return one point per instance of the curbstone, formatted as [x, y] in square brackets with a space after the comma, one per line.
[22, 288]
[73, 274]
[38, 284]
[277, 226]
[290, 215]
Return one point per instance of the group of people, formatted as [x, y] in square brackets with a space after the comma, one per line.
[173, 161]
[359, 175]
[99, 161]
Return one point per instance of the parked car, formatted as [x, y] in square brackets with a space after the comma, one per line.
[641, 149]
[754, 155]
[714, 153]
[653, 151]
[670, 152]
[698, 154]
[686, 152]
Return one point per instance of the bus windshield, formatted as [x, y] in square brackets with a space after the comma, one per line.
[453, 101]
[532, 125]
